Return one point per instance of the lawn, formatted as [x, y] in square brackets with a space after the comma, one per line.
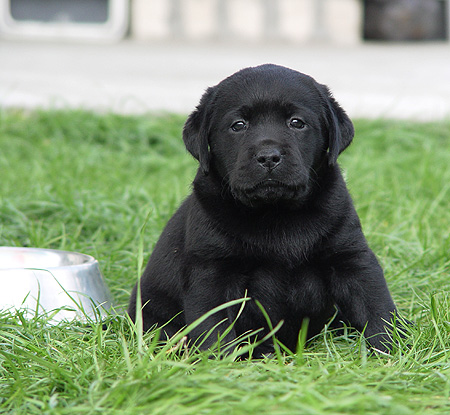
[90, 183]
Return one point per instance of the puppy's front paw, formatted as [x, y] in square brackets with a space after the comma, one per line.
[264, 351]
[394, 335]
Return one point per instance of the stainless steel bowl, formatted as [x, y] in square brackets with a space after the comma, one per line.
[64, 285]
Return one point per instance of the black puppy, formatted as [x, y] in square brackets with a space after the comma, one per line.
[270, 216]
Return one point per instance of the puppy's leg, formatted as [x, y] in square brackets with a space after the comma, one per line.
[205, 292]
[158, 310]
[362, 296]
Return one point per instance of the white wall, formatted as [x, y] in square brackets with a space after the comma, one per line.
[336, 21]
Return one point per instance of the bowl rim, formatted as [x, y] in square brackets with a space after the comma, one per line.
[89, 260]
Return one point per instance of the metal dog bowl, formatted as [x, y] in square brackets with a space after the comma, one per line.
[64, 285]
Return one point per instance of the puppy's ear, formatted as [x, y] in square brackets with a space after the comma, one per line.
[340, 128]
[197, 128]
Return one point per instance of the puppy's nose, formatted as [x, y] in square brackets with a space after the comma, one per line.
[269, 158]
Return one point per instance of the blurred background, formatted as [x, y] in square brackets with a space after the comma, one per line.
[382, 58]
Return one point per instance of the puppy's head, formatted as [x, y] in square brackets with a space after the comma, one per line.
[266, 132]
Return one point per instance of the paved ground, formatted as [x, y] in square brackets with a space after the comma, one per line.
[371, 80]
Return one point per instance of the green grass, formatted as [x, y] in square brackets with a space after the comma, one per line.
[86, 182]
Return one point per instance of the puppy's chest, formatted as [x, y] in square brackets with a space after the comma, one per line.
[289, 239]
[275, 286]
[289, 245]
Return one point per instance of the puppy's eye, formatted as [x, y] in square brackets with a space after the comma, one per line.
[297, 123]
[239, 126]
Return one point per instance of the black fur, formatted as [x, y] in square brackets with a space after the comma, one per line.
[269, 215]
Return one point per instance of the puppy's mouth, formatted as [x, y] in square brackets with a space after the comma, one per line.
[269, 191]
[272, 184]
